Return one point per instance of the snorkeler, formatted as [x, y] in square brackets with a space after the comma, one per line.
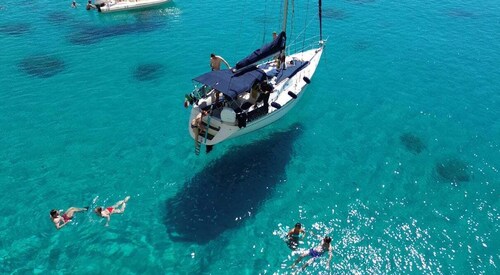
[295, 235]
[61, 220]
[108, 211]
[316, 252]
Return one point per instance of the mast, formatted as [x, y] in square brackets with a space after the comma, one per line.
[281, 59]
[320, 24]
[285, 16]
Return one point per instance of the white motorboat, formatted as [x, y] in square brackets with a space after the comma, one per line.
[122, 5]
[257, 91]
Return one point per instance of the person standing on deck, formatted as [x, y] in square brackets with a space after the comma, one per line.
[215, 61]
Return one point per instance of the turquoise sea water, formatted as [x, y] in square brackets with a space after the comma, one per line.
[394, 150]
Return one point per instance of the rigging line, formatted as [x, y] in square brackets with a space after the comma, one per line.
[293, 20]
[305, 25]
[281, 14]
[302, 33]
[238, 50]
[265, 23]
[320, 21]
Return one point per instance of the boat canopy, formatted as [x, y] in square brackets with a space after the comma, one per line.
[237, 81]
[230, 83]
[267, 50]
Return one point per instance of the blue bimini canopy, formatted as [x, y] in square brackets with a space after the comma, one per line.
[265, 51]
[229, 83]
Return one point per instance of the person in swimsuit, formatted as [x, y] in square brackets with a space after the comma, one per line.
[197, 125]
[90, 6]
[317, 252]
[215, 61]
[61, 220]
[117, 208]
[295, 235]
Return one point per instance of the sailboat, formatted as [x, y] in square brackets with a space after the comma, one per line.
[106, 6]
[260, 89]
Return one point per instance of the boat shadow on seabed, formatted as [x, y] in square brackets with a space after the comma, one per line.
[230, 189]
[89, 34]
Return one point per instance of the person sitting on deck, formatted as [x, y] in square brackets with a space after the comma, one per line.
[255, 91]
[265, 92]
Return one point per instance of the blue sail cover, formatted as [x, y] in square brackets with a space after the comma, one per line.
[229, 83]
[267, 50]
[291, 70]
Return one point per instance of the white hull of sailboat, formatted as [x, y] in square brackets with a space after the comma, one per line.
[295, 84]
[266, 120]
[114, 6]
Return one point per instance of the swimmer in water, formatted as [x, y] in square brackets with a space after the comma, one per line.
[316, 252]
[117, 208]
[295, 235]
[61, 220]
